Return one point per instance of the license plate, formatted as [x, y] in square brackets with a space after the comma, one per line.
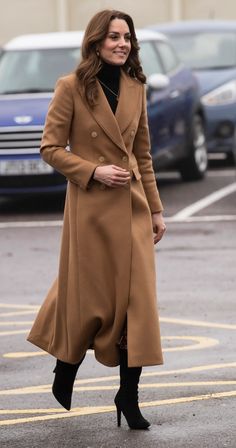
[24, 167]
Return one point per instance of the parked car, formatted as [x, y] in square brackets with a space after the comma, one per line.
[209, 48]
[29, 68]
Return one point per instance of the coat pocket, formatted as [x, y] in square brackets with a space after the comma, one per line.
[136, 173]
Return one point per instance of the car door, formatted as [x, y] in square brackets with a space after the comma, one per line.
[179, 99]
[156, 100]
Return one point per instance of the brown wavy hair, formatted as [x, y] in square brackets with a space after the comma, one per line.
[91, 63]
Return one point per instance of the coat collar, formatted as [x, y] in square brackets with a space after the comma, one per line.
[115, 125]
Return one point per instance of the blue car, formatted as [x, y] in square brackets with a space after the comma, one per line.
[209, 48]
[29, 68]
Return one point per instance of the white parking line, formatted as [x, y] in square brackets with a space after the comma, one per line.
[168, 219]
[211, 173]
[204, 202]
[25, 224]
[205, 218]
[184, 215]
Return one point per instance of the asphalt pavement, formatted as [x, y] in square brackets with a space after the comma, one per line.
[191, 399]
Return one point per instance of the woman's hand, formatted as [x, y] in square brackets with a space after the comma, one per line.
[112, 175]
[158, 226]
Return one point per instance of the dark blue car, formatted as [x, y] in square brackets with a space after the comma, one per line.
[29, 68]
[209, 48]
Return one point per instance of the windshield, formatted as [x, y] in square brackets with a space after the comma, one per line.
[206, 50]
[23, 71]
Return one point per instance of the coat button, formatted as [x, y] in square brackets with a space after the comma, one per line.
[124, 158]
[101, 159]
[132, 133]
[94, 134]
[102, 187]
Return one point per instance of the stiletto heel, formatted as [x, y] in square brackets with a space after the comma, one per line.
[118, 411]
[126, 399]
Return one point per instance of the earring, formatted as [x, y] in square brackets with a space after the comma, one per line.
[97, 53]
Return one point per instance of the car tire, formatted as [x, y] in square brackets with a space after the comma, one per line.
[194, 167]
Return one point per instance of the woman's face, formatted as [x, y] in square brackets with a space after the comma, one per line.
[116, 46]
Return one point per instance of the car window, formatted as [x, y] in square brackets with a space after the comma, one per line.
[150, 60]
[203, 50]
[168, 56]
[26, 70]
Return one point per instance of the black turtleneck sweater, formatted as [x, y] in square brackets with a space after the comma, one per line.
[109, 77]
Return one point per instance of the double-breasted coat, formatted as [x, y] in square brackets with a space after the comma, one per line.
[106, 272]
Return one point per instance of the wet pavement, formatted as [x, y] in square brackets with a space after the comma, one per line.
[191, 399]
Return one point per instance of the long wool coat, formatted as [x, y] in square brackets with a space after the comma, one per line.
[106, 271]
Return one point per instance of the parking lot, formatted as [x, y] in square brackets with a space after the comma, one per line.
[191, 399]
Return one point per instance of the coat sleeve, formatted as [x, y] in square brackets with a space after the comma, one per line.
[56, 135]
[141, 150]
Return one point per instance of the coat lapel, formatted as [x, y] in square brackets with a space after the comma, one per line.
[115, 125]
[106, 119]
[128, 101]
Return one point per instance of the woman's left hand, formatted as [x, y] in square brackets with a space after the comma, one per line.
[158, 226]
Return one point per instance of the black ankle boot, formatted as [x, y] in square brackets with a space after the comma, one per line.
[62, 387]
[126, 399]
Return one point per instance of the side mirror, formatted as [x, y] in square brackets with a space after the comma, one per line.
[157, 81]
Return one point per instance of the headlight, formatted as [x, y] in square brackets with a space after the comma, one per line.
[225, 94]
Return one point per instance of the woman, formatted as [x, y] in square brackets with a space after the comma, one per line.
[104, 296]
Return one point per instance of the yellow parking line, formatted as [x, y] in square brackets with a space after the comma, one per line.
[202, 342]
[158, 385]
[16, 355]
[12, 332]
[48, 389]
[7, 323]
[11, 305]
[75, 412]
[197, 323]
[30, 309]
[45, 388]
[31, 411]
[17, 313]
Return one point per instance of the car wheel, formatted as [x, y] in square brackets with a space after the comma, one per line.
[195, 165]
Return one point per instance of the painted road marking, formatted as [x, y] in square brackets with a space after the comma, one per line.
[177, 218]
[162, 319]
[98, 388]
[13, 332]
[18, 355]
[210, 173]
[15, 305]
[76, 412]
[198, 323]
[168, 219]
[94, 384]
[15, 323]
[45, 388]
[201, 342]
[213, 218]
[30, 224]
[17, 313]
[204, 202]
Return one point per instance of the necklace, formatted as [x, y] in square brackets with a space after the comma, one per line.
[108, 88]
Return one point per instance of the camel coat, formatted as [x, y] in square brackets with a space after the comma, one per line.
[106, 270]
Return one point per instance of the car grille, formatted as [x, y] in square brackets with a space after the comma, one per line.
[15, 140]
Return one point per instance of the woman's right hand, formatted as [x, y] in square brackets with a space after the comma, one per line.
[112, 175]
